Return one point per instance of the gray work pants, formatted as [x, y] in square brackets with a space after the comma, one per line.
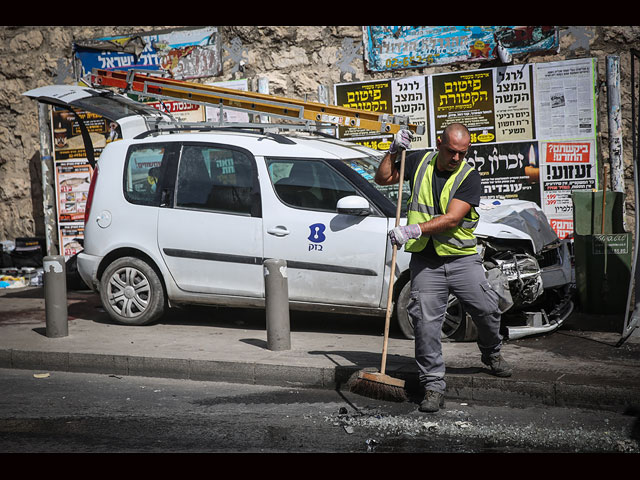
[431, 282]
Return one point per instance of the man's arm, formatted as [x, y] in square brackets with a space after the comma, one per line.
[455, 213]
[387, 173]
[467, 195]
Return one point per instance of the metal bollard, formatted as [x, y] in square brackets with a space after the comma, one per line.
[276, 289]
[55, 296]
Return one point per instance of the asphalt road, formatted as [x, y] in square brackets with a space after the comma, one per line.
[59, 412]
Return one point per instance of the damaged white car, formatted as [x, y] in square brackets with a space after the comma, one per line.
[182, 216]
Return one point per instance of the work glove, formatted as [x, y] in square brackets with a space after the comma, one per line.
[402, 234]
[402, 140]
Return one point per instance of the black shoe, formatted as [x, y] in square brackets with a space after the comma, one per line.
[433, 401]
[498, 365]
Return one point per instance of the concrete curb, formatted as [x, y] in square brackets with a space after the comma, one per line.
[478, 387]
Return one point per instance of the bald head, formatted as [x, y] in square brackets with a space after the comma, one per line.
[455, 131]
[452, 147]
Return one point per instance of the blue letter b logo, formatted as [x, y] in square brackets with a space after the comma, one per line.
[317, 233]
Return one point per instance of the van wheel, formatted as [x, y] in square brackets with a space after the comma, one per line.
[457, 325]
[131, 292]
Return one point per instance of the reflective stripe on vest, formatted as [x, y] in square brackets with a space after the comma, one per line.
[459, 240]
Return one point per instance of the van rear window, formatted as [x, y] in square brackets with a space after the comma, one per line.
[142, 173]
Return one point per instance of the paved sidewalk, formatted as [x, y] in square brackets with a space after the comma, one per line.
[578, 365]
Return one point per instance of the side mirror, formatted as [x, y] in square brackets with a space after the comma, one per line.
[354, 205]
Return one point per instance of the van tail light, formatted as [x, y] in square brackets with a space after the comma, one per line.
[92, 186]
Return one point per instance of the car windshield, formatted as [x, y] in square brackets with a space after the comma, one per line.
[366, 167]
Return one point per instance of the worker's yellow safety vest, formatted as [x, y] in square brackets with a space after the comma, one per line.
[459, 240]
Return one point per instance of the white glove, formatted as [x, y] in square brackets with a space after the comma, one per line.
[402, 140]
[402, 234]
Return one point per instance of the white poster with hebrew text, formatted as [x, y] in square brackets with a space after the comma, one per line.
[565, 99]
[566, 166]
[513, 99]
[410, 99]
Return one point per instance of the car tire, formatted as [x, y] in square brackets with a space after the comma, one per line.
[131, 292]
[403, 320]
[457, 326]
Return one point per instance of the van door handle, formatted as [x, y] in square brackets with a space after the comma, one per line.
[279, 231]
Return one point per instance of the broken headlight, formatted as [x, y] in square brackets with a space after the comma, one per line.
[523, 273]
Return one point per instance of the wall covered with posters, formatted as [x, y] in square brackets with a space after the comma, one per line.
[181, 53]
[72, 171]
[294, 61]
[533, 126]
[390, 48]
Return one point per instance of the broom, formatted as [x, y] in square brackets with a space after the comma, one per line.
[377, 385]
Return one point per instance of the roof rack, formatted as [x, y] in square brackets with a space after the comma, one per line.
[268, 129]
[205, 127]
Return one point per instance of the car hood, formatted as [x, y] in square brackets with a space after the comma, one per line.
[515, 219]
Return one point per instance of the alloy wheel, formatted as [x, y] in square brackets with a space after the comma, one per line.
[128, 292]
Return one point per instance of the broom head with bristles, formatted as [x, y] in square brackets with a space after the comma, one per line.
[378, 386]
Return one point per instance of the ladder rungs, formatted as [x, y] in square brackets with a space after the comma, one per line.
[252, 102]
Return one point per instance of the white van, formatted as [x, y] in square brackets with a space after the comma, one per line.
[179, 216]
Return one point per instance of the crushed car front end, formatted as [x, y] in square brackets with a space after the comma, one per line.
[515, 237]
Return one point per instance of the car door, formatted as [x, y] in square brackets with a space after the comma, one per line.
[332, 258]
[211, 238]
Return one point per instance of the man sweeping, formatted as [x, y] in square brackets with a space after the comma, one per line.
[441, 220]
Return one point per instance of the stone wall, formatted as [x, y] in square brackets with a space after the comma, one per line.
[296, 60]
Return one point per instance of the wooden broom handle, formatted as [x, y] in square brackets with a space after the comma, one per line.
[387, 321]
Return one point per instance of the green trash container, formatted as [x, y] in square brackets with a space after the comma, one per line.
[602, 260]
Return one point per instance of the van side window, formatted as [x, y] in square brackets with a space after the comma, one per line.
[142, 174]
[308, 184]
[214, 178]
